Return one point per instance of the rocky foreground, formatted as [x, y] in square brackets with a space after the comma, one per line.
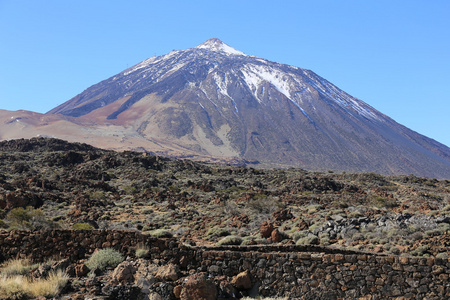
[48, 184]
[118, 264]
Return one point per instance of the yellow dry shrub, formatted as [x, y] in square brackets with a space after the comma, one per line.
[16, 267]
[50, 286]
[18, 287]
[12, 287]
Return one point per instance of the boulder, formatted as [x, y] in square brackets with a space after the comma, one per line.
[198, 287]
[243, 280]
[124, 272]
[81, 270]
[177, 291]
[276, 236]
[282, 215]
[154, 296]
[265, 229]
[168, 272]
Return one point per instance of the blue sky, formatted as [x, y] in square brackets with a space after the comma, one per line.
[394, 55]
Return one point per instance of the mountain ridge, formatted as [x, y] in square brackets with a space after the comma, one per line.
[214, 100]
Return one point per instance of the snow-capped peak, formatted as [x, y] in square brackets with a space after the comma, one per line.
[215, 44]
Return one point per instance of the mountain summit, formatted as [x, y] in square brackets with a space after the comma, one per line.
[215, 101]
[215, 44]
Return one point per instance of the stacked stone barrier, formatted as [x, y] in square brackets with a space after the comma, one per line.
[299, 272]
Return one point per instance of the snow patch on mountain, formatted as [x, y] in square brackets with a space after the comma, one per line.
[219, 46]
[149, 62]
[256, 75]
[342, 98]
[222, 84]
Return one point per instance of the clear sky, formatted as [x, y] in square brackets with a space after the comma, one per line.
[394, 55]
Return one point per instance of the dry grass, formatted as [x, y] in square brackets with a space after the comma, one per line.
[14, 267]
[15, 285]
[142, 251]
[50, 286]
[12, 287]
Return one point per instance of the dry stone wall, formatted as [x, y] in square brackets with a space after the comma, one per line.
[297, 272]
[75, 244]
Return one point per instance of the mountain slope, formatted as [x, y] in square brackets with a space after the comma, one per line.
[217, 101]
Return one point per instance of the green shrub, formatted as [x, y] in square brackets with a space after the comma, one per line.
[27, 219]
[439, 230]
[82, 226]
[308, 240]
[230, 240]
[248, 240]
[260, 203]
[324, 241]
[313, 208]
[217, 232]
[300, 234]
[383, 202]
[262, 241]
[142, 251]
[161, 233]
[420, 251]
[104, 258]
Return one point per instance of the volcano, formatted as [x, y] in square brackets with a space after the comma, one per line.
[213, 102]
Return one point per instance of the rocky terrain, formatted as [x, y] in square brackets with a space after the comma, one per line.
[61, 185]
[49, 184]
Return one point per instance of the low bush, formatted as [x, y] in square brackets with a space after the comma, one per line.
[300, 234]
[82, 226]
[217, 232]
[104, 258]
[230, 240]
[161, 233]
[308, 240]
[324, 241]
[142, 251]
[420, 251]
[440, 229]
[27, 219]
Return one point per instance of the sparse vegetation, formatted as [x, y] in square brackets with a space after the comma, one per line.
[27, 218]
[16, 282]
[142, 251]
[230, 240]
[104, 258]
[161, 233]
[22, 287]
[15, 267]
[204, 204]
[82, 226]
[80, 187]
[216, 232]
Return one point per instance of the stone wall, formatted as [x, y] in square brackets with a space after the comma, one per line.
[294, 271]
[76, 244]
[332, 276]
